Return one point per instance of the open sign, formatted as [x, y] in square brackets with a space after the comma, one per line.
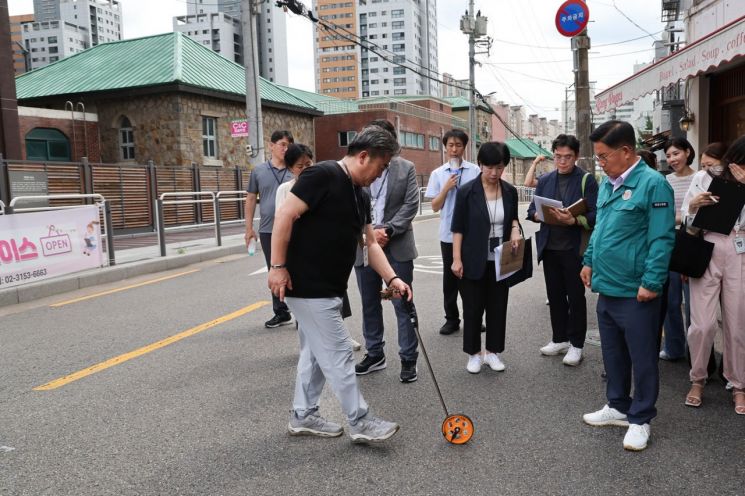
[239, 128]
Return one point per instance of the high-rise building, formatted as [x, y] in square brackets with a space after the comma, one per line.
[454, 87]
[402, 31]
[217, 24]
[20, 54]
[64, 27]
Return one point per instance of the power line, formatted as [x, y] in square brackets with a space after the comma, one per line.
[562, 83]
[632, 21]
[546, 47]
[298, 8]
[570, 60]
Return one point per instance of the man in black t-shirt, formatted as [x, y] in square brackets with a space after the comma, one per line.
[314, 242]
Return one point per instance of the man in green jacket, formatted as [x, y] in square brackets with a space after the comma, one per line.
[627, 263]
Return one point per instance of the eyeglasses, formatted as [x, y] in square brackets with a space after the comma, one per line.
[563, 158]
[604, 157]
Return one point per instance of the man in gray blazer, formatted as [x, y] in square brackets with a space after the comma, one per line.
[394, 199]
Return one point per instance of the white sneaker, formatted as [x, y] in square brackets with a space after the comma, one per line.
[606, 416]
[636, 437]
[474, 363]
[573, 356]
[494, 362]
[356, 346]
[552, 348]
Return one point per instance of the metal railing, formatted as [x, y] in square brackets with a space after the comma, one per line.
[99, 200]
[525, 194]
[196, 198]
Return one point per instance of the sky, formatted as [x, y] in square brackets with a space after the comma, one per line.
[529, 62]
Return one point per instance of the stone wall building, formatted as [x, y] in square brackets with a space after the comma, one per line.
[165, 99]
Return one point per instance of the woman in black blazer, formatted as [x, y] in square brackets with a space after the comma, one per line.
[485, 215]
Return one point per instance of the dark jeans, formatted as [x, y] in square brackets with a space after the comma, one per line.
[675, 333]
[566, 296]
[266, 246]
[628, 339]
[484, 295]
[449, 284]
[370, 285]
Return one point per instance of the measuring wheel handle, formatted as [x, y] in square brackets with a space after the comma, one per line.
[457, 428]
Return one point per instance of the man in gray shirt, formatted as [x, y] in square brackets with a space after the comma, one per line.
[264, 181]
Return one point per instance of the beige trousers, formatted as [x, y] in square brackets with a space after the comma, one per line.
[723, 281]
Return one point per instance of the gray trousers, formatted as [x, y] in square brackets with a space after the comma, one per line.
[325, 354]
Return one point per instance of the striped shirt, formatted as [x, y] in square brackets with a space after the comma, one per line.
[680, 186]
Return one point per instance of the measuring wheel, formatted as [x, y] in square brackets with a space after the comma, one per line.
[457, 428]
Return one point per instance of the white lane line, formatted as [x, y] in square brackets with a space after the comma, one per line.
[6, 449]
[262, 270]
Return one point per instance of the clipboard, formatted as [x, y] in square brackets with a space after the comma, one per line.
[509, 263]
[721, 217]
[542, 204]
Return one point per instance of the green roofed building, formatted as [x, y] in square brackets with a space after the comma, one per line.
[164, 98]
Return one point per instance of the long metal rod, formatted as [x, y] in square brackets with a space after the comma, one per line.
[415, 323]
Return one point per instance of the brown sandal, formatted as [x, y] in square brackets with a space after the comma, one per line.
[738, 396]
[694, 397]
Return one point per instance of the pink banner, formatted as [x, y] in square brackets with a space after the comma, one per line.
[37, 246]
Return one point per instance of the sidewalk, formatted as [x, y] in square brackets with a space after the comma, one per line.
[138, 255]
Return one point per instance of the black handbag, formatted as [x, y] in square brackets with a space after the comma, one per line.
[691, 253]
[527, 270]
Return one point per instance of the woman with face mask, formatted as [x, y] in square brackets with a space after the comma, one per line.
[680, 156]
[722, 283]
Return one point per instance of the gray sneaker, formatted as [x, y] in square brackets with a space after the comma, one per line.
[372, 429]
[314, 425]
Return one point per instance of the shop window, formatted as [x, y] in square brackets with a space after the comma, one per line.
[47, 144]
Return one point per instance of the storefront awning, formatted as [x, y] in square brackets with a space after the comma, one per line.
[722, 45]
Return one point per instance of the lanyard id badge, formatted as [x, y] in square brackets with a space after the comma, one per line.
[739, 245]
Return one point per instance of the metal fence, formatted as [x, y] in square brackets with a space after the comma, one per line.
[132, 190]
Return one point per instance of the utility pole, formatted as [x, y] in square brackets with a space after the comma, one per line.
[255, 148]
[10, 139]
[475, 27]
[580, 46]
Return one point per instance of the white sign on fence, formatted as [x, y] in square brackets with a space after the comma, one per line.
[40, 245]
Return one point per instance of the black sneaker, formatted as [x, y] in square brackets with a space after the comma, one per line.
[370, 364]
[278, 320]
[450, 327]
[408, 371]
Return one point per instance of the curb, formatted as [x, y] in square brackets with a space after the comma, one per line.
[63, 284]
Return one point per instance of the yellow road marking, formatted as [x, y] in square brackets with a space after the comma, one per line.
[111, 291]
[147, 349]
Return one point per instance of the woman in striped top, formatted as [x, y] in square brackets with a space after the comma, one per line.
[680, 156]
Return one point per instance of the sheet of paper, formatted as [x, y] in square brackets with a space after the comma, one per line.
[540, 202]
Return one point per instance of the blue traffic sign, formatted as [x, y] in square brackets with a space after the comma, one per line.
[572, 17]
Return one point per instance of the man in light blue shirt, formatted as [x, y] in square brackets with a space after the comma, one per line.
[441, 188]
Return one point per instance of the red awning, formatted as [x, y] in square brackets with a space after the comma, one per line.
[722, 45]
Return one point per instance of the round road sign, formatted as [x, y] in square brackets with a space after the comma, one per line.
[572, 17]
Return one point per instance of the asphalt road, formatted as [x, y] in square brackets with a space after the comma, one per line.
[206, 414]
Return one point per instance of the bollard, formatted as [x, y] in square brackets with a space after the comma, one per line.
[109, 232]
[217, 221]
[161, 226]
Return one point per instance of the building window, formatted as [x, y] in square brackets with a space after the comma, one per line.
[346, 137]
[434, 143]
[412, 140]
[126, 140]
[209, 137]
[47, 144]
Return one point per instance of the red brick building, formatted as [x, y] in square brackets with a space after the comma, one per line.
[58, 135]
[421, 122]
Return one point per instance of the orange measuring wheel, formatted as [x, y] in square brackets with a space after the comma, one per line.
[457, 428]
